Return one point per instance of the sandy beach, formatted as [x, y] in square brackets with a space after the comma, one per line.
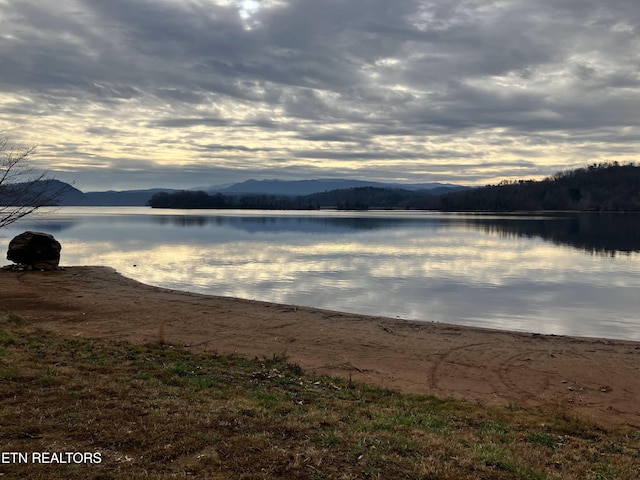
[597, 379]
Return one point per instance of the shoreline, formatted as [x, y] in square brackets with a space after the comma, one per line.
[595, 378]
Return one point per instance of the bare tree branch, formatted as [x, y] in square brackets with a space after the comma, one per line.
[22, 189]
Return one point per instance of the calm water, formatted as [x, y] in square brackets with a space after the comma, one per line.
[559, 274]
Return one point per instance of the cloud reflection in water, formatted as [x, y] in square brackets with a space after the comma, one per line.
[491, 272]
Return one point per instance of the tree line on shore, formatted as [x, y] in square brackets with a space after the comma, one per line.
[597, 187]
[358, 198]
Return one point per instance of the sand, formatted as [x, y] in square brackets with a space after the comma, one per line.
[596, 379]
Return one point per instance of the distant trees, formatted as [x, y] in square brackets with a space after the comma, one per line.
[186, 199]
[597, 187]
[358, 198]
[606, 186]
[22, 189]
[199, 199]
[363, 198]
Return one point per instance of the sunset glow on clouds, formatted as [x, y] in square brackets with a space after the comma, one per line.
[180, 93]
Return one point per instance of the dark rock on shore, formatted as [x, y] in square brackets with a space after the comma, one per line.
[35, 250]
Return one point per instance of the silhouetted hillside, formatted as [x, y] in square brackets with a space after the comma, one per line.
[125, 197]
[601, 187]
[42, 193]
[598, 187]
[360, 198]
[309, 187]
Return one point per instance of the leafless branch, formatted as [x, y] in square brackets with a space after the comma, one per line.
[22, 189]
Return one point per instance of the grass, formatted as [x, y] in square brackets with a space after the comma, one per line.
[159, 411]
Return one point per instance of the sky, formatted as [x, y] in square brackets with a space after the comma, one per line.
[123, 94]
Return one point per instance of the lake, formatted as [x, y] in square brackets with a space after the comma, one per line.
[564, 274]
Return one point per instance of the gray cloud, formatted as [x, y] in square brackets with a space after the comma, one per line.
[365, 88]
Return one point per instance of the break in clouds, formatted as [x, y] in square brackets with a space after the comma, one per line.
[133, 93]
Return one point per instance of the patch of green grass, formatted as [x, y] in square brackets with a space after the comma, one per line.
[603, 471]
[181, 369]
[492, 426]
[203, 382]
[326, 439]
[48, 376]
[494, 456]
[402, 420]
[501, 459]
[6, 338]
[545, 439]
[160, 411]
[8, 373]
[267, 399]
[15, 319]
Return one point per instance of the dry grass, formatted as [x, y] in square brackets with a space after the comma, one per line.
[158, 411]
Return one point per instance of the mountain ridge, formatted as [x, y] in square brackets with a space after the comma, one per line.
[68, 195]
[602, 187]
[607, 186]
[311, 186]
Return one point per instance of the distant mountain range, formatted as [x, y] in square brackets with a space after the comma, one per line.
[607, 186]
[308, 187]
[67, 195]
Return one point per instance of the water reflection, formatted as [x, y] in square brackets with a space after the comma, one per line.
[597, 233]
[282, 224]
[601, 234]
[526, 273]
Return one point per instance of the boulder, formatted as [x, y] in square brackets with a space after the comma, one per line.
[36, 250]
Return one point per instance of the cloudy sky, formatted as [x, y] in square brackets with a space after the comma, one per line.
[182, 93]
